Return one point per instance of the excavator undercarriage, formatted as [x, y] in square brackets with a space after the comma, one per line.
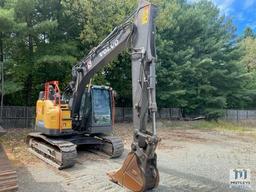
[62, 152]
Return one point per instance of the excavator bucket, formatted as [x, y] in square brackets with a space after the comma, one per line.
[133, 176]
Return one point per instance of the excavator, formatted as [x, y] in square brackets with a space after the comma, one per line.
[83, 115]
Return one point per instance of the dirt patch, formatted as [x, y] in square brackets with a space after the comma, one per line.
[14, 142]
[189, 159]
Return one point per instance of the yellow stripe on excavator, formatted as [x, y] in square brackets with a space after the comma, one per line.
[145, 15]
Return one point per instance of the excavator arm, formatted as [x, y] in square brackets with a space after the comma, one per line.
[139, 171]
[106, 51]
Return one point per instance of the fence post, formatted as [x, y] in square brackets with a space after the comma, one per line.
[27, 118]
[123, 113]
[237, 118]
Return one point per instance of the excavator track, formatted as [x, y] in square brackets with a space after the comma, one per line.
[113, 146]
[56, 152]
[61, 153]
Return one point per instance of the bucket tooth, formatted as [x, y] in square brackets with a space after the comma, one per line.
[132, 176]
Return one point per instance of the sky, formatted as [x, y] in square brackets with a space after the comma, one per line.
[242, 12]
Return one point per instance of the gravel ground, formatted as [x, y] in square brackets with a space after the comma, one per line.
[188, 160]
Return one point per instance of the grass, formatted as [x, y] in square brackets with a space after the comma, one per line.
[235, 126]
[222, 125]
[210, 125]
[175, 124]
[241, 128]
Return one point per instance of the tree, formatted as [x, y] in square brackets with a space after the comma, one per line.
[198, 58]
[7, 24]
[45, 47]
[202, 67]
[248, 62]
[101, 18]
[248, 45]
[248, 32]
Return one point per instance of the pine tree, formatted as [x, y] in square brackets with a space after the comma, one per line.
[198, 59]
[248, 32]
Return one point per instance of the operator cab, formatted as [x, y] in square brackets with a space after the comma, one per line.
[95, 115]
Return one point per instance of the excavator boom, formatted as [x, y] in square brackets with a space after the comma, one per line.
[139, 171]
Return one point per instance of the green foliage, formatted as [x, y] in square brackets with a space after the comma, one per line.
[213, 113]
[11, 87]
[6, 19]
[248, 45]
[199, 68]
[248, 32]
[222, 126]
[39, 48]
[101, 18]
[248, 61]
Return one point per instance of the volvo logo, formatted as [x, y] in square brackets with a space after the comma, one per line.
[109, 48]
